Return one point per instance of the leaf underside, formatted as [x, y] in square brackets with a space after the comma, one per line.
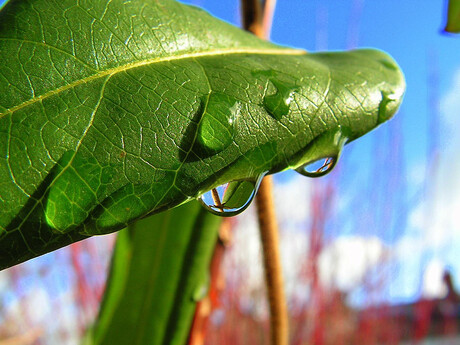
[112, 111]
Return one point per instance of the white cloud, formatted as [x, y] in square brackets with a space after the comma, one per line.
[450, 112]
[293, 211]
[433, 223]
[433, 284]
[38, 305]
[432, 238]
[243, 262]
[342, 264]
[433, 231]
[416, 174]
[292, 200]
[345, 262]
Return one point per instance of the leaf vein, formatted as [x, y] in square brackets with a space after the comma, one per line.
[150, 61]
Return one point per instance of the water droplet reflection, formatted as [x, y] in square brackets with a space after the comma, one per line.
[231, 198]
[323, 153]
[318, 168]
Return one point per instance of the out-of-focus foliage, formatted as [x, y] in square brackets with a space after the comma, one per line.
[160, 270]
[453, 17]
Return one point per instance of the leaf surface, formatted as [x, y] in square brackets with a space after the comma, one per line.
[110, 111]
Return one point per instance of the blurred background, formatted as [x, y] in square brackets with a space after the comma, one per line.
[371, 252]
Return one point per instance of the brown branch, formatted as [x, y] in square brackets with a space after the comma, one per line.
[258, 20]
[267, 17]
[257, 17]
[271, 255]
[251, 15]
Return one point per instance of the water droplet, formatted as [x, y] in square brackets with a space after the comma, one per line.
[319, 167]
[383, 113]
[389, 64]
[322, 153]
[278, 104]
[216, 127]
[231, 198]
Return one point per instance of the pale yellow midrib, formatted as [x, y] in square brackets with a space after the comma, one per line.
[136, 64]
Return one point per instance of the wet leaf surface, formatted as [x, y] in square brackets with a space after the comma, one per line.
[112, 111]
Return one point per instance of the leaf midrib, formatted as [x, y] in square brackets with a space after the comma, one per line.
[132, 65]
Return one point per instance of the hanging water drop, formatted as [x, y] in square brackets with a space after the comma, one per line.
[216, 127]
[383, 112]
[231, 198]
[278, 104]
[318, 168]
[322, 153]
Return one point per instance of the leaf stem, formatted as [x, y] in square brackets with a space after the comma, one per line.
[257, 18]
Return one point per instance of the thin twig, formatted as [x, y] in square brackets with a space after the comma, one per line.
[267, 17]
[258, 20]
[251, 15]
[216, 199]
[273, 271]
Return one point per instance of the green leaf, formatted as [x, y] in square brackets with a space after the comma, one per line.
[160, 269]
[112, 111]
[453, 17]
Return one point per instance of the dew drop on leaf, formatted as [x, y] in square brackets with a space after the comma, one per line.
[278, 104]
[383, 113]
[231, 198]
[318, 168]
[389, 64]
[216, 127]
